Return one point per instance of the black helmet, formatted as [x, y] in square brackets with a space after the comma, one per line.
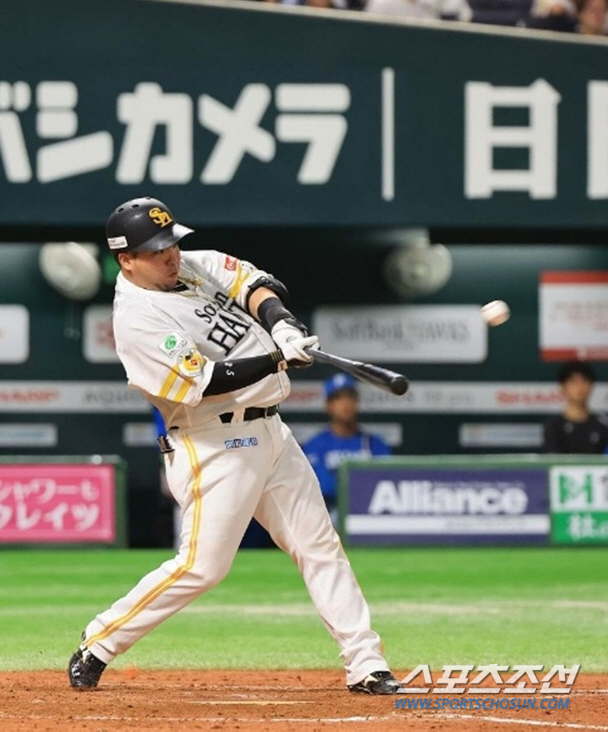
[143, 225]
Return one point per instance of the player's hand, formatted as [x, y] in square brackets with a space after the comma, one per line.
[293, 343]
[287, 329]
[295, 352]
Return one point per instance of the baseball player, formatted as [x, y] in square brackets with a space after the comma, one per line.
[207, 340]
[342, 439]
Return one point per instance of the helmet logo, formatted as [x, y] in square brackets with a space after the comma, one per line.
[118, 242]
[160, 217]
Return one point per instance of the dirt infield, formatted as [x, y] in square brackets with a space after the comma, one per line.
[263, 701]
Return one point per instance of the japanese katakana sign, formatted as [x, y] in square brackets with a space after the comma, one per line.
[57, 503]
[399, 134]
[310, 114]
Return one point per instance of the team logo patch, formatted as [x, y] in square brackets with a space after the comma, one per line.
[190, 362]
[230, 263]
[161, 218]
[172, 343]
[240, 442]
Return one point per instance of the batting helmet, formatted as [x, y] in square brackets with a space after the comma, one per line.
[143, 225]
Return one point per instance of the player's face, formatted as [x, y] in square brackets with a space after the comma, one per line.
[153, 270]
[344, 407]
[577, 389]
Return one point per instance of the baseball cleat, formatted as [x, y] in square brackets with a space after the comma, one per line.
[84, 669]
[379, 682]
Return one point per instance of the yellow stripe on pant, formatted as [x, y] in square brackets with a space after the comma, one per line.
[158, 590]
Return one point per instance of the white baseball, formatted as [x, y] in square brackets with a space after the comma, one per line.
[496, 312]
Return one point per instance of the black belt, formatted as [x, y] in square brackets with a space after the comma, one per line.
[251, 413]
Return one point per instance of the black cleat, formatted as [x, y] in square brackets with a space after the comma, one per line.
[85, 669]
[379, 682]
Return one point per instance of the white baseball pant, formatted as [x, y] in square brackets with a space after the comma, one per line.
[220, 486]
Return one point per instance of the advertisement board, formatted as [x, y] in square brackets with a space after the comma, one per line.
[579, 504]
[206, 116]
[446, 505]
[573, 315]
[14, 334]
[404, 333]
[61, 503]
[530, 499]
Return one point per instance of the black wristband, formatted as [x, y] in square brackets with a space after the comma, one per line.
[271, 310]
[232, 375]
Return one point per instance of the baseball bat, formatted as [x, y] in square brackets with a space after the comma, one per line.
[368, 372]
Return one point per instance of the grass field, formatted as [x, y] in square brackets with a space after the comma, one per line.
[434, 606]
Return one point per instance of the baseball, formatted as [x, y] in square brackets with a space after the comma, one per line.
[496, 312]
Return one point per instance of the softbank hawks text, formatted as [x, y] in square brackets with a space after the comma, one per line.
[370, 330]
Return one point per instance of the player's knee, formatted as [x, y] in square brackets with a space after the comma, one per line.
[206, 576]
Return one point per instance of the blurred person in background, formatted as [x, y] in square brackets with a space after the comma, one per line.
[165, 448]
[576, 430]
[342, 439]
[593, 17]
[587, 17]
[337, 4]
[443, 9]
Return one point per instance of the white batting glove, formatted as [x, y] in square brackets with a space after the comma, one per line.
[295, 354]
[293, 343]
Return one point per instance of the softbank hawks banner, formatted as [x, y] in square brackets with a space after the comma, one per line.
[404, 334]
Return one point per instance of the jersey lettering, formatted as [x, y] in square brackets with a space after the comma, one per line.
[227, 325]
[227, 331]
[206, 313]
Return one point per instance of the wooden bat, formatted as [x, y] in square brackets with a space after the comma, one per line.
[368, 372]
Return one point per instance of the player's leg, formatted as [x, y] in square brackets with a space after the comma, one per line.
[294, 513]
[221, 488]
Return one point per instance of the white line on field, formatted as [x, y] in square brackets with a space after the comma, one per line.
[531, 722]
[497, 607]
[588, 692]
[313, 720]
[243, 720]
[259, 702]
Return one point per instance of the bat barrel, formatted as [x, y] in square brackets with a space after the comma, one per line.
[376, 375]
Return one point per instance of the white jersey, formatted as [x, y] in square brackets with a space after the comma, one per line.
[168, 342]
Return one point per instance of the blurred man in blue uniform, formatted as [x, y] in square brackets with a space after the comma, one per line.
[343, 439]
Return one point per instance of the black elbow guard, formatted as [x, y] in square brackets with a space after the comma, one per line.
[272, 310]
[271, 283]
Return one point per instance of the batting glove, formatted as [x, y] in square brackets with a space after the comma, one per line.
[293, 343]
